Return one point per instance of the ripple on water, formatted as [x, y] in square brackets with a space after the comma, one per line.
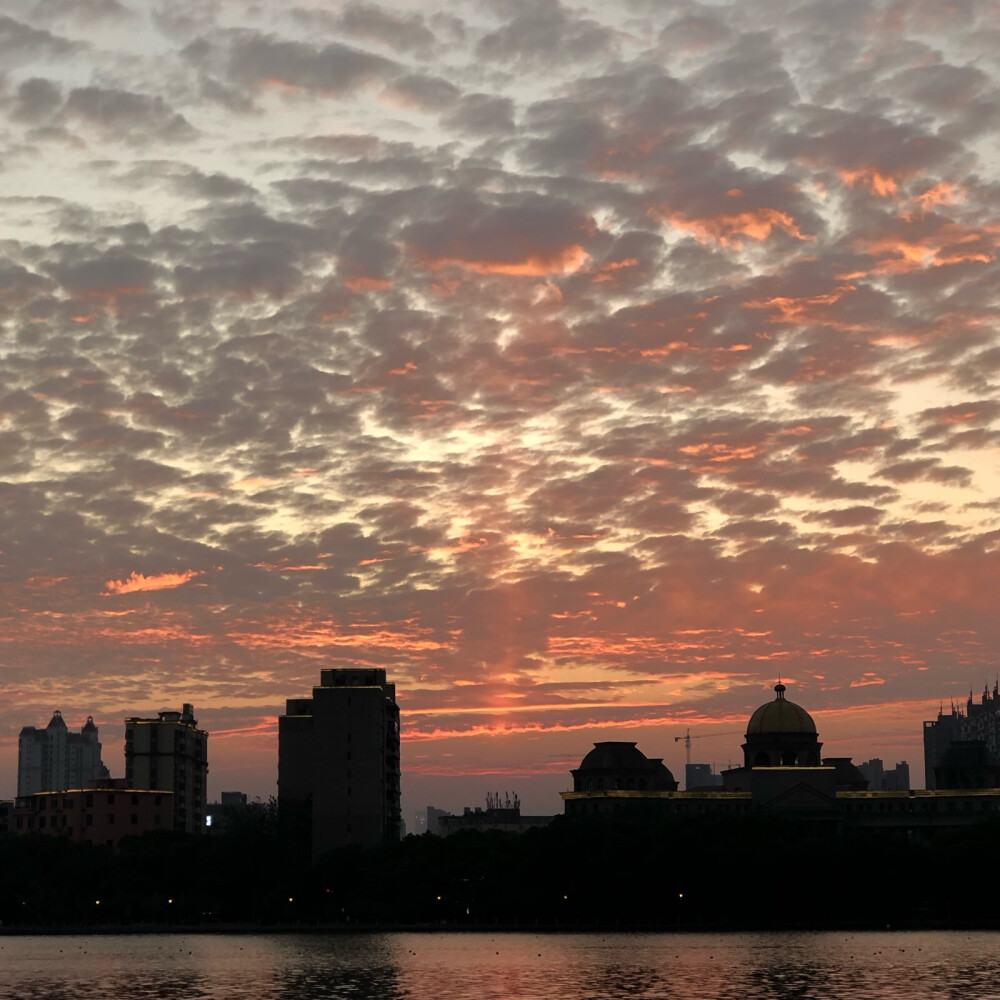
[820, 966]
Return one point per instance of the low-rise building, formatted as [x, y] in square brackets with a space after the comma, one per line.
[784, 774]
[96, 815]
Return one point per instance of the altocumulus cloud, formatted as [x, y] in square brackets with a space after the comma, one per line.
[584, 365]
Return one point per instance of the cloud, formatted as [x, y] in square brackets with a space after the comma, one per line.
[136, 582]
[582, 367]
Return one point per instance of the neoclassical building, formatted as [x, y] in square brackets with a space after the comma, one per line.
[783, 772]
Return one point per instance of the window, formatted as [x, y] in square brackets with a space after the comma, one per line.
[89, 821]
[134, 819]
[111, 798]
[135, 800]
[41, 822]
[111, 819]
[88, 800]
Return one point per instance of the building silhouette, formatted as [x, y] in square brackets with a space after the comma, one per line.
[338, 761]
[102, 813]
[980, 720]
[54, 759]
[170, 753]
[701, 776]
[883, 779]
[783, 774]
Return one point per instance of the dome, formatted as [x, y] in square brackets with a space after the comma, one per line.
[780, 716]
[621, 766]
[613, 755]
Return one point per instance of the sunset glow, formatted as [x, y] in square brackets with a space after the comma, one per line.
[585, 366]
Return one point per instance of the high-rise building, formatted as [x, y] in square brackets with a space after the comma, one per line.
[979, 721]
[170, 753]
[883, 779]
[701, 776]
[338, 760]
[53, 759]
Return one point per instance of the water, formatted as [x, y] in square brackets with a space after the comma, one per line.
[785, 966]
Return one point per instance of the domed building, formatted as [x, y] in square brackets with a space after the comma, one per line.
[783, 774]
[781, 734]
[617, 766]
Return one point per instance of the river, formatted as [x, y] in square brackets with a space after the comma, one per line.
[503, 966]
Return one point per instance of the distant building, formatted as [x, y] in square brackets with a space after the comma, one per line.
[968, 764]
[937, 738]
[96, 815]
[980, 720]
[54, 759]
[880, 779]
[701, 776]
[170, 753]
[502, 812]
[219, 816]
[338, 761]
[434, 817]
[783, 774]
[621, 766]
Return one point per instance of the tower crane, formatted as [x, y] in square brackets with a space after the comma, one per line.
[687, 738]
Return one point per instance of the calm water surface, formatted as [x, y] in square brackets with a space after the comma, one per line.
[902, 965]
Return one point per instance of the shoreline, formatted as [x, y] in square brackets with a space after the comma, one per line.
[340, 929]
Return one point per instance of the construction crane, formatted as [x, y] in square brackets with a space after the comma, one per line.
[687, 738]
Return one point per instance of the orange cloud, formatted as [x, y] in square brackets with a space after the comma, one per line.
[137, 581]
[878, 183]
[562, 261]
[758, 224]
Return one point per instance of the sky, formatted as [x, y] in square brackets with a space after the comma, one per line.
[587, 366]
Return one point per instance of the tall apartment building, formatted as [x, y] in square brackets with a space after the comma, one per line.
[338, 760]
[170, 754]
[886, 779]
[979, 721]
[53, 759]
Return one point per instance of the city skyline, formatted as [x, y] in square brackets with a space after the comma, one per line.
[587, 367]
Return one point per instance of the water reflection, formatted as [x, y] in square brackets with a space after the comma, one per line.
[483, 966]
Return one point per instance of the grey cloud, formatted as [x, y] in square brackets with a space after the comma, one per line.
[334, 68]
[37, 98]
[402, 32]
[544, 31]
[484, 114]
[428, 93]
[20, 42]
[127, 115]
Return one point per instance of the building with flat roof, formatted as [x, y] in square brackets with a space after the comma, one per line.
[783, 774]
[54, 759]
[338, 761]
[95, 815]
[170, 753]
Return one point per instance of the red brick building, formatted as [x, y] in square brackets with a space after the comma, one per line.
[95, 815]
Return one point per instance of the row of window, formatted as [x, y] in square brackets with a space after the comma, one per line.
[60, 823]
[88, 801]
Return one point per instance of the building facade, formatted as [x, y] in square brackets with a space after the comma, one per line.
[784, 775]
[979, 720]
[54, 759]
[883, 779]
[96, 815]
[170, 754]
[338, 760]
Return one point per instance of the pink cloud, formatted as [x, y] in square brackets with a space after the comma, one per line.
[135, 582]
